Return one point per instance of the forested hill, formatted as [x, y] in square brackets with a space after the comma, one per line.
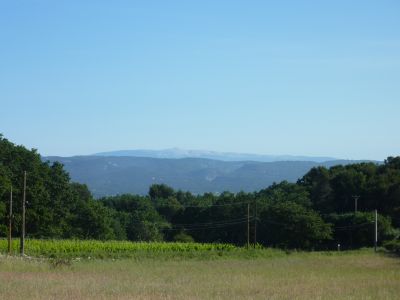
[112, 175]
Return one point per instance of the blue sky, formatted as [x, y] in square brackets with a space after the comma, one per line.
[271, 77]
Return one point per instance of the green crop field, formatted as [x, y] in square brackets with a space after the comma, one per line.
[66, 270]
[90, 249]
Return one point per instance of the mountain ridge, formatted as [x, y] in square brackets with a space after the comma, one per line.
[176, 153]
[111, 175]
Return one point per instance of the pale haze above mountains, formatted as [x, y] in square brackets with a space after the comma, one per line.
[134, 171]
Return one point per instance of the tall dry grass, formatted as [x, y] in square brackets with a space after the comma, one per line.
[359, 275]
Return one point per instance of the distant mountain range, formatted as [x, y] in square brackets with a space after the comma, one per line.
[120, 173]
[224, 156]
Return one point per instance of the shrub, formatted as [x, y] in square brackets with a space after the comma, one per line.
[183, 238]
[393, 246]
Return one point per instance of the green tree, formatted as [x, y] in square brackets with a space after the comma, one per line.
[138, 216]
[162, 191]
[353, 231]
[290, 225]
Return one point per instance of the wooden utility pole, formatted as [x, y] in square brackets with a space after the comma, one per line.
[376, 230]
[248, 225]
[255, 223]
[355, 197]
[10, 221]
[22, 243]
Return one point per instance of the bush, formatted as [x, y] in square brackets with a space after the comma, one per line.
[183, 238]
[393, 246]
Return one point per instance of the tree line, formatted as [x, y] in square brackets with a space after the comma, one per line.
[316, 212]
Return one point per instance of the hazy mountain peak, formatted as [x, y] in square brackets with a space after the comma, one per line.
[175, 153]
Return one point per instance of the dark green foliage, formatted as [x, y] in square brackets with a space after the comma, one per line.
[358, 230]
[56, 208]
[393, 246]
[286, 191]
[287, 224]
[3, 214]
[378, 187]
[183, 238]
[138, 216]
[317, 212]
[160, 191]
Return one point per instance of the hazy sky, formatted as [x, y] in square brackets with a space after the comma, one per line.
[272, 77]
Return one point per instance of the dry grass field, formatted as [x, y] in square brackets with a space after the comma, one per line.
[353, 275]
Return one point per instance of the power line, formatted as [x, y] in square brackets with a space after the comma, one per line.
[205, 206]
[353, 226]
[213, 222]
[275, 223]
[216, 226]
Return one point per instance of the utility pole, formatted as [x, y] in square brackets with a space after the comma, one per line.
[255, 223]
[22, 243]
[376, 230]
[355, 197]
[248, 225]
[10, 221]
